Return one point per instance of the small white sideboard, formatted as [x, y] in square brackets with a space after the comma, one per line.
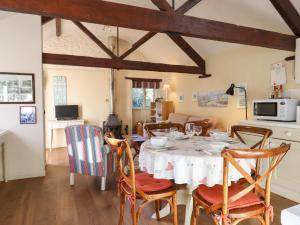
[61, 124]
[286, 179]
[3, 135]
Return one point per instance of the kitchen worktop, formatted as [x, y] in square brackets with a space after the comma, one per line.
[293, 125]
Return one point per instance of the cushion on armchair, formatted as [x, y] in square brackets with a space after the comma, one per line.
[211, 119]
[178, 118]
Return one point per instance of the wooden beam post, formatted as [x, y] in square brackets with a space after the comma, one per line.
[58, 27]
[116, 14]
[289, 14]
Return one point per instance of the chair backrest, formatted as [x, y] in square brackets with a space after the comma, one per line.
[150, 128]
[205, 124]
[231, 159]
[85, 149]
[265, 133]
[123, 147]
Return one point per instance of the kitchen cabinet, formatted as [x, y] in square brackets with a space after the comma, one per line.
[286, 178]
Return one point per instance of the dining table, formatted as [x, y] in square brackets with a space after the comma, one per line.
[191, 161]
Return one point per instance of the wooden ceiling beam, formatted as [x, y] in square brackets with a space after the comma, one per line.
[71, 60]
[46, 19]
[289, 14]
[187, 6]
[185, 47]
[163, 5]
[116, 14]
[95, 39]
[137, 44]
[183, 9]
[177, 39]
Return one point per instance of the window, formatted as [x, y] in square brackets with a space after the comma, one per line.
[142, 97]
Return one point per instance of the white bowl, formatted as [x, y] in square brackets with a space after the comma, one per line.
[178, 135]
[159, 141]
[218, 146]
[218, 135]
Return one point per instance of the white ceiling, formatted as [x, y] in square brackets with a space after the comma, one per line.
[4, 14]
[252, 13]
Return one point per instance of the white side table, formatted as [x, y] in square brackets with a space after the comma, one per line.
[61, 124]
[291, 216]
[3, 134]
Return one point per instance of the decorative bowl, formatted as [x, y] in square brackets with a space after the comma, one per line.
[218, 146]
[159, 141]
[218, 135]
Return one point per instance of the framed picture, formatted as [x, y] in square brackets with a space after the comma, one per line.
[181, 98]
[213, 99]
[241, 100]
[28, 115]
[195, 96]
[17, 88]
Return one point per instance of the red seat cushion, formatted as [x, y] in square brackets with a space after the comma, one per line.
[146, 183]
[214, 195]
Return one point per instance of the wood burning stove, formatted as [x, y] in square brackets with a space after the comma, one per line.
[113, 125]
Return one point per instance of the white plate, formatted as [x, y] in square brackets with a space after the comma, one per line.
[181, 137]
[166, 147]
[217, 146]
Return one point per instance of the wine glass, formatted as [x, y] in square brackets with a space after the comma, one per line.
[198, 130]
[173, 131]
[190, 129]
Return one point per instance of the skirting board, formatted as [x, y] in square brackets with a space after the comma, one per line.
[285, 192]
[24, 176]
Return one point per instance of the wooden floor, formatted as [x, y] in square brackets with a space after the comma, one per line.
[51, 201]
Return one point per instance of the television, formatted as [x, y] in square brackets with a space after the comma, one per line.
[66, 112]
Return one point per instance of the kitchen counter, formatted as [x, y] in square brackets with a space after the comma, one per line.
[292, 125]
[286, 179]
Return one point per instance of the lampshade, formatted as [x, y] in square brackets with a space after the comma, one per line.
[230, 90]
[166, 87]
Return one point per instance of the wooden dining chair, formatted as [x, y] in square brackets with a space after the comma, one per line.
[143, 186]
[262, 134]
[205, 124]
[236, 203]
[150, 128]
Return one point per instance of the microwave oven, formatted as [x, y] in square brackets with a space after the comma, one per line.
[275, 109]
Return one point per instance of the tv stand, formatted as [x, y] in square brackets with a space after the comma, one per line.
[61, 124]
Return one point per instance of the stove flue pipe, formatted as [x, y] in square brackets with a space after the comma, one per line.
[112, 46]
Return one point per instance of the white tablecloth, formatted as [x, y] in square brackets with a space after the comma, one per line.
[185, 165]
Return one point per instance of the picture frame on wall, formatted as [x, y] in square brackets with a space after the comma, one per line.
[194, 96]
[181, 98]
[241, 98]
[28, 115]
[17, 88]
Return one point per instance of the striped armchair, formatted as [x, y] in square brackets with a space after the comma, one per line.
[87, 153]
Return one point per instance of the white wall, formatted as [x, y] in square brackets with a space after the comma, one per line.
[245, 64]
[21, 48]
[86, 87]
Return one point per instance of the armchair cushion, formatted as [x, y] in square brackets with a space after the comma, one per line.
[178, 118]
